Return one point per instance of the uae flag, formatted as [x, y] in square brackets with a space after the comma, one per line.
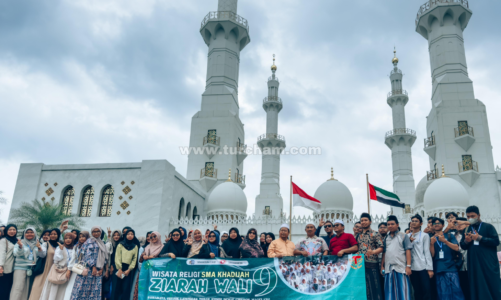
[302, 199]
[385, 197]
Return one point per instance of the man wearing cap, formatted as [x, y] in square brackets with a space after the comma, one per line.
[281, 247]
[311, 245]
[343, 243]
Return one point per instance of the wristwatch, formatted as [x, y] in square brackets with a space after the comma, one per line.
[408, 266]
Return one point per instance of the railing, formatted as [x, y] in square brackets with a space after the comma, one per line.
[239, 179]
[241, 147]
[212, 140]
[400, 131]
[272, 98]
[432, 3]
[463, 131]
[433, 174]
[271, 136]
[205, 173]
[428, 142]
[397, 92]
[271, 78]
[225, 15]
[464, 168]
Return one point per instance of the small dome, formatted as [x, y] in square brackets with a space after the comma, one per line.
[394, 60]
[334, 196]
[273, 68]
[421, 189]
[227, 197]
[445, 193]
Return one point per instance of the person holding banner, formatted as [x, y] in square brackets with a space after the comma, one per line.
[311, 245]
[250, 247]
[213, 244]
[282, 247]
[194, 247]
[396, 263]
[343, 243]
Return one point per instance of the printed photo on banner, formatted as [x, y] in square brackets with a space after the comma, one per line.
[313, 274]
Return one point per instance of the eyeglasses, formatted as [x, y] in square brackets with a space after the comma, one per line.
[336, 225]
[212, 236]
[252, 232]
[176, 235]
[327, 226]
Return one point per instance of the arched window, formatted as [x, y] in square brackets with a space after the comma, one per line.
[181, 209]
[87, 200]
[195, 213]
[188, 210]
[106, 201]
[68, 196]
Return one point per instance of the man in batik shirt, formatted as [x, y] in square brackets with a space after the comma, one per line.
[370, 245]
[311, 245]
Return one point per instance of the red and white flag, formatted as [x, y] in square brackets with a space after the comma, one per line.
[302, 199]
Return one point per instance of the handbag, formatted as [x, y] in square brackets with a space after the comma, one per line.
[57, 274]
[80, 266]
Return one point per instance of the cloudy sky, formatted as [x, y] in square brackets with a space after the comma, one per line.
[118, 81]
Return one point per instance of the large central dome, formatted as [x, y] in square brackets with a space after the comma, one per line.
[445, 194]
[334, 196]
[227, 199]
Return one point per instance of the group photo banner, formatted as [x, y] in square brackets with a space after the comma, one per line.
[313, 277]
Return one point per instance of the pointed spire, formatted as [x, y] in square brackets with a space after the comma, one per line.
[229, 176]
[332, 175]
[273, 67]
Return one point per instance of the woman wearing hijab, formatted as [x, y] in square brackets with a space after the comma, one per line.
[125, 262]
[194, 246]
[89, 285]
[232, 244]
[26, 258]
[151, 251]
[52, 244]
[173, 248]
[75, 258]
[63, 255]
[184, 234]
[224, 236]
[77, 234]
[213, 244]
[250, 247]
[111, 246]
[7, 245]
[270, 237]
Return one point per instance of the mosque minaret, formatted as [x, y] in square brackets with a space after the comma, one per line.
[400, 140]
[269, 201]
[217, 127]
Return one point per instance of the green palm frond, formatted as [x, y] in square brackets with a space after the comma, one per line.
[43, 216]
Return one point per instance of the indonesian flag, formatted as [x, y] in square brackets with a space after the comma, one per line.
[385, 197]
[302, 199]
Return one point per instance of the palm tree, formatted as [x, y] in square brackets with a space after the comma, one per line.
[43, 216]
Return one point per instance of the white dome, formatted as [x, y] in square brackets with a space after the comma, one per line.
[445, 193]
[227, 197]
[421, 189]
[334, 196]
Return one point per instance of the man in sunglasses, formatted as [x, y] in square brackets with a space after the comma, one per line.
[329, 229]
[343, 243]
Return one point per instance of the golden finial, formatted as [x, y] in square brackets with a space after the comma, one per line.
[443, 172]
[229, 176]
[332, 175]
[395, 59]
[273, 68]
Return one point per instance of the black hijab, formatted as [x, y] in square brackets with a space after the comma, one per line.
[123, 234]
[129, 244]
[77, 234]
[174, 247]
[185, 235]
[54, 243]
[231, 246]
[41, 237]
[12, 239]
[147, 243]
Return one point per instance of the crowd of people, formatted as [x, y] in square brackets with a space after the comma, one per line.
[456, 262]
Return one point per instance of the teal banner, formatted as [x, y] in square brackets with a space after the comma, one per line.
[314, 277]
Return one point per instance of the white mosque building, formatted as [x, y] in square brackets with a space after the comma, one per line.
[212, 190]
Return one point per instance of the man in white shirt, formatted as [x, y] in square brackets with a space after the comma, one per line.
[422, 262]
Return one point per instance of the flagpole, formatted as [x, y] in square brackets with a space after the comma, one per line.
[368, 200]
[290, 215]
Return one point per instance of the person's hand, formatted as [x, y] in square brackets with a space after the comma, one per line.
[109, 232]
[412, 238]
[68, 274]
[475, 236]
[167, 238]
[172, 255]
[382, 269]
[20, 244]
[107, 274]
[433, 240]
[64, 225]
[126, 273]
[1, 270]
[321, 223]
[215, 226]
[441, 238]
[111, 269]
[369, 253]
[430, 273]
[212, 255]
[427, 230]
[206, 239]
[94, 271]
[60, 246]
[39, 246]
[189, 242]
[408, 271]
[468, 237]
[340, 253]
[100, 272]
[279, 256]
[85, 272]
[305, 253]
